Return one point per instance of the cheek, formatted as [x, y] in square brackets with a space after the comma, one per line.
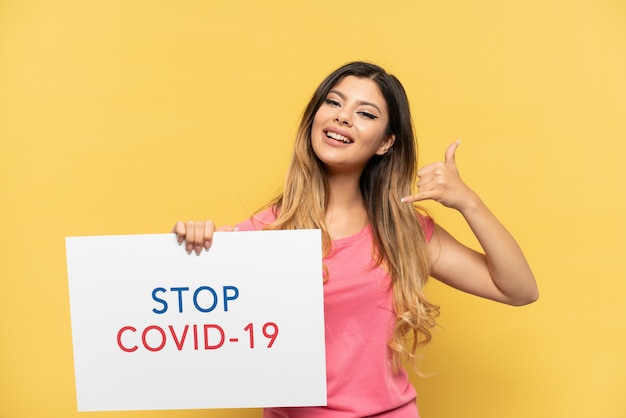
[373, 134]
[319, 116]
[318, 123]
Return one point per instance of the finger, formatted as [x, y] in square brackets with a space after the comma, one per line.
[425, 181]
[420, 196]
[189, 237]
[408, 199]
[428, 195]
[179, 230]
[207, 239]
[432, 168]
[198, 237]
[426, 169]
[450, 157]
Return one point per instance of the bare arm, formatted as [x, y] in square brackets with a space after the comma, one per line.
[502, 272]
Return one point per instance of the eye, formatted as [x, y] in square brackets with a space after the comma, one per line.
[368, 115]
[331, 102]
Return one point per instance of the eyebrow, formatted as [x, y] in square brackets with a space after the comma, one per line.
[361, 102]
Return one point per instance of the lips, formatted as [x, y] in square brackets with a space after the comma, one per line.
[338, 137]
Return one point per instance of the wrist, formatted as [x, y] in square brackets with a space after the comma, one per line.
[471, 205]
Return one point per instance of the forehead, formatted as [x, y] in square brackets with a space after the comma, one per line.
[360, 90]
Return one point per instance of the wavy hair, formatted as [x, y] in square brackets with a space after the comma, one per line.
[398, 234]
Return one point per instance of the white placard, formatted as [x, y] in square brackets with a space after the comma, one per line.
[239, 326]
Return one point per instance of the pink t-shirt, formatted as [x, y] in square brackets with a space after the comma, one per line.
[359, 320]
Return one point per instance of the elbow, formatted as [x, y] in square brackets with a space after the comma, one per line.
[526, 299]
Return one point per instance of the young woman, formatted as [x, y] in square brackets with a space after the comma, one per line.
[352, 176]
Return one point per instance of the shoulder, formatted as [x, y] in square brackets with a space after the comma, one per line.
[258, 221]
[428, 225]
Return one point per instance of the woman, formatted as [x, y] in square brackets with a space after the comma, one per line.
[351, 175]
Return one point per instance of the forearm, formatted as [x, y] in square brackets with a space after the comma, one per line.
[507, 265]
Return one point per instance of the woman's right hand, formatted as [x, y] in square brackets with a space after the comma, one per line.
[197, 235]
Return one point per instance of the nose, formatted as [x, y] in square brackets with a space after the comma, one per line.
[343, 117]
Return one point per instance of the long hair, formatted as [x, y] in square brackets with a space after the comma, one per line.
[399, 241]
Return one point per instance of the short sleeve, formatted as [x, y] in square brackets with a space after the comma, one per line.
[257, 221]
[428, 225]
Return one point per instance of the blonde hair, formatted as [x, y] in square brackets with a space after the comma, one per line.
[398, 234]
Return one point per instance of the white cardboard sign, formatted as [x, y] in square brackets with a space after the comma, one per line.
[239, 326]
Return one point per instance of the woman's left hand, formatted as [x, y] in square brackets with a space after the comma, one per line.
[442, 183]
[500, 273]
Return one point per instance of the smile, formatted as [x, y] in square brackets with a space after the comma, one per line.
[338, 137]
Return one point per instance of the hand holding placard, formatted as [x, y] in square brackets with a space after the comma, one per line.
[156, 329]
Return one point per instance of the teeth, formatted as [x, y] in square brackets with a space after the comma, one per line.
[338, 137]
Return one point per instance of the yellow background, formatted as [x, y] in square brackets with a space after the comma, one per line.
[121, 117]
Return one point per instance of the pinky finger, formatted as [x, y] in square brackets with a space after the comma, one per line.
[207, 239]
[409, 199]
[420, 196]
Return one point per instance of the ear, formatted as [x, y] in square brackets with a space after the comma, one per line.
[386, 145]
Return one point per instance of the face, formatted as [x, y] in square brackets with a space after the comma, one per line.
[349, 127]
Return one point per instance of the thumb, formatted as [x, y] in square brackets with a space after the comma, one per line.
[450, 157]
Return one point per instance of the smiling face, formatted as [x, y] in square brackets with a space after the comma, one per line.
[350, 127]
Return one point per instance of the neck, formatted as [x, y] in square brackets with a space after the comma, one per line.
[344, 190]
[346, 214]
